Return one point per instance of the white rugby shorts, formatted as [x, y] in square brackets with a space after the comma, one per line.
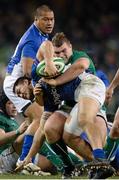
[72, 126]
[91, 86]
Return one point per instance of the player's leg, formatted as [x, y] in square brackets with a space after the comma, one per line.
[78, 145]
[37, 142]
[45, 164]
[72, 133]
[115, 159]
[91, 97]
[113, 138]
[33, 112]
[55, 126]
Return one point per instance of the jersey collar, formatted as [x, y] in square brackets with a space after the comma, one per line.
[41, 33]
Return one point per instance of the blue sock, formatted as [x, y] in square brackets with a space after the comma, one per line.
[28, 139]
[99, 153]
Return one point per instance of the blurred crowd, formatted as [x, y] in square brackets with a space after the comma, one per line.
[92, 26]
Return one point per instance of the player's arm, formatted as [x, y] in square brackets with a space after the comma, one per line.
[112, 86]
[115, 81]
[38, 94]
[6, 137]
[27, 66]
[39, 138]
[27, 58]
[46, 52]
[71, 73]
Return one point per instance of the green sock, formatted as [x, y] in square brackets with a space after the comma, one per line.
[52, 156]
[60, 149]
[55, 159]
[110, 147]
[76, 160]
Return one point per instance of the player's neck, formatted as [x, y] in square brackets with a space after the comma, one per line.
[40, 32]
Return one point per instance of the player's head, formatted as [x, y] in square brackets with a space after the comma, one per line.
[62, 46]
[23, 88]
[44, 19]
[6, 106]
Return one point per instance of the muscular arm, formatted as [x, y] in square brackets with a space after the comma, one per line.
[7, 137]
[112, 86]
[115, 81]
[26, 66]
[28, 56]
[46, 52]
[73, 71]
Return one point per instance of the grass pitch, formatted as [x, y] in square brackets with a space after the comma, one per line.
[31, 177]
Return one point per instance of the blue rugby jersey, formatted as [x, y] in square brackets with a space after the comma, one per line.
[27, 46]
[53, 96]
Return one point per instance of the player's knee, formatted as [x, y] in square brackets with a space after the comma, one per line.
[48, 130]
[51, 133]
[85, 119]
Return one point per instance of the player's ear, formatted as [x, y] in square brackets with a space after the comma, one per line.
[70, 45]
[35, 18]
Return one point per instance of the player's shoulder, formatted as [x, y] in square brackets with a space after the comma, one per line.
[29, 34]
[77, 55]
[80, 53]
[3, 118]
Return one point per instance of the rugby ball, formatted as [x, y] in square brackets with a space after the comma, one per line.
[59, 63]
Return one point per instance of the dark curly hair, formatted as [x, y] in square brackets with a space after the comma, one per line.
[3, 100]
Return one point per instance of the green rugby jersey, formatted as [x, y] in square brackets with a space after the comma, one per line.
[80, 54]
[8, 125]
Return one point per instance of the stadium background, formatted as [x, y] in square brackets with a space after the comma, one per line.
[92, 26]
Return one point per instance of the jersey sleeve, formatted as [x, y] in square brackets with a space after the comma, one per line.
[29, 51]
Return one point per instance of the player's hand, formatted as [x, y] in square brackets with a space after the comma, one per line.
[23, 127]
[51, 69]
[51, 82]
[109, 93]
[27, 160]
[37, 89]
